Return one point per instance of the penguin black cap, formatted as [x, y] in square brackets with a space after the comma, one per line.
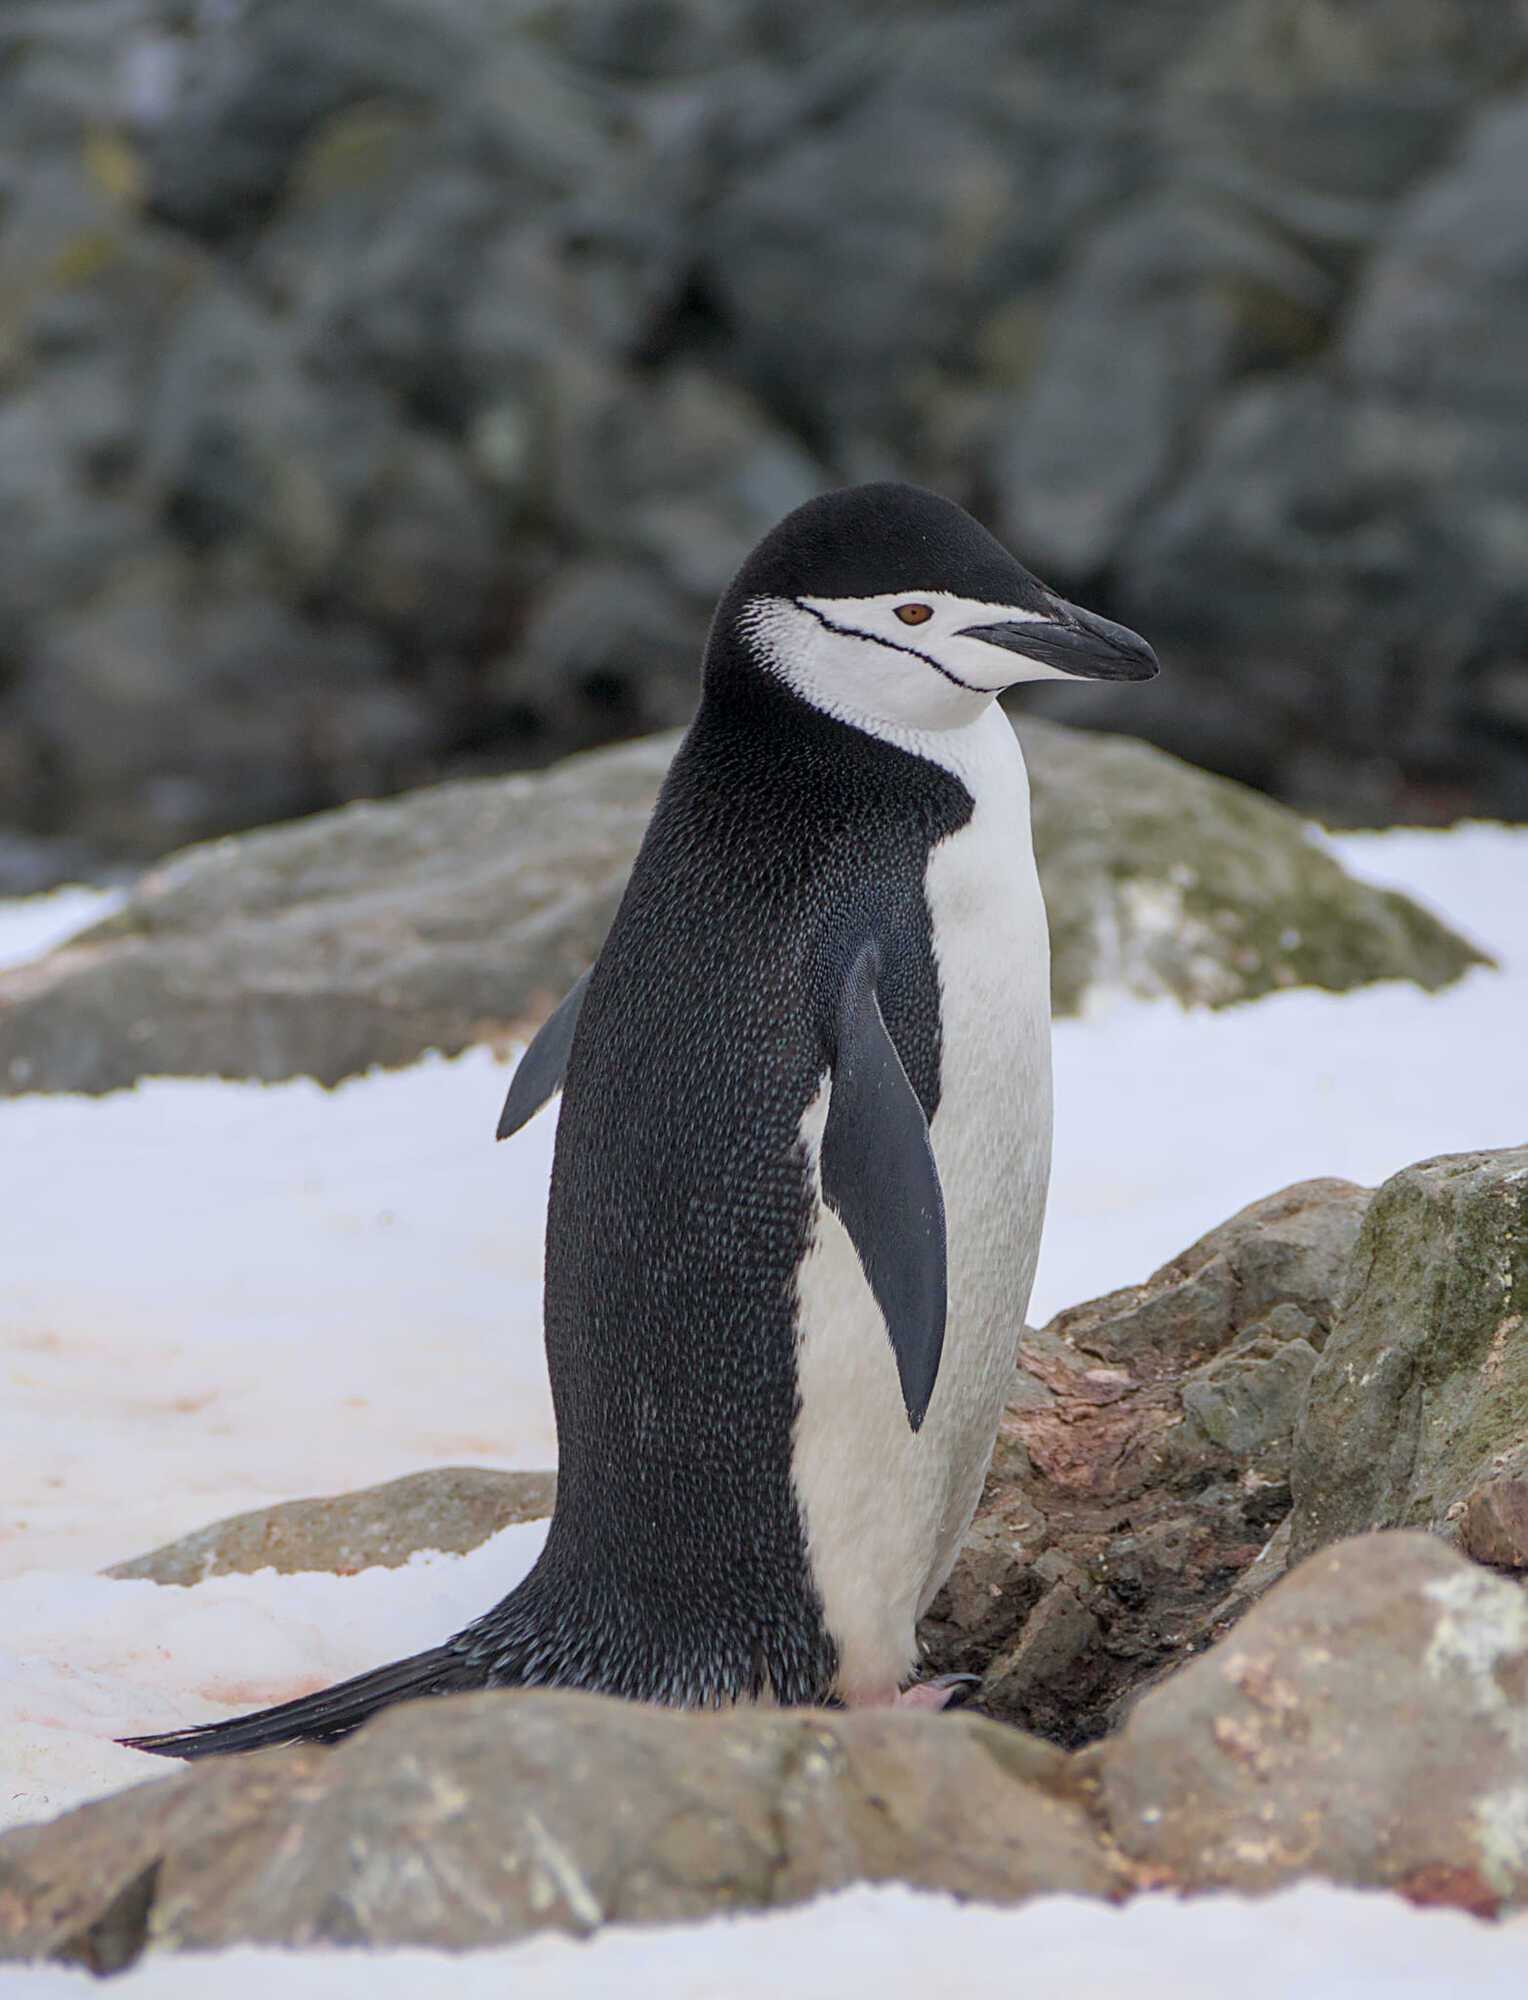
[888, 538]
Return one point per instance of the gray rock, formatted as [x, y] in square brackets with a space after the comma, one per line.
[1140, 1482]
[452, 1508]
[1421, 1395]
[484, 1818]
[1170, 302]
[686, 474]
[459, 914]
[1162, 880]
[962, 160]
[121, 701]
[598, 655]
[1361, 510]
[258, 82]
[397, 324]
[1364, 1723]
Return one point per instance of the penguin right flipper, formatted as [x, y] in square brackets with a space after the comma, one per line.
[542, 1068]
[880, 1180]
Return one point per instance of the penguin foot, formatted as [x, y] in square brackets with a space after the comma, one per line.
[944, 1691]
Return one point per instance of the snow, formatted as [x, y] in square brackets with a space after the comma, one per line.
[1315, 1942]
[35, 924]
[218, 1295]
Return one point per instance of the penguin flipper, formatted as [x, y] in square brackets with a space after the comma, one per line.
[542, 1068]
[880, 1180]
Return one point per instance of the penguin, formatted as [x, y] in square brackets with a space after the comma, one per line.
[803, 1146]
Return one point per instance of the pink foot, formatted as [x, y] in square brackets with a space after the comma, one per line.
[938, 1693]
[927, 1694]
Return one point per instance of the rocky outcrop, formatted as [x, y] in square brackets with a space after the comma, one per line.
[461, 913]
[1360, 1719]
[1140, 1483]
[1363, 1724]
[1418, 1409]
[386, 388]
[452, 1508]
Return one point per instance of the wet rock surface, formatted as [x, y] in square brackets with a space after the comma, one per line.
[341, 344]
[451, 1508]
[461, 914]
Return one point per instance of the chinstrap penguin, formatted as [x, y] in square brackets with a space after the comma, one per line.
[803, 1147]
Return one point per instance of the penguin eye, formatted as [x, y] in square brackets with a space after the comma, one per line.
[915, 614]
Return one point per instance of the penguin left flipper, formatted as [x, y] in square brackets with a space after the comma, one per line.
[542, 1068]
[880, 1180]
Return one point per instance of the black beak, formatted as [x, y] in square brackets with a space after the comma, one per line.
[1075, 642]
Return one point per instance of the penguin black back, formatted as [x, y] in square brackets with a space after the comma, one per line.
[680, 1207]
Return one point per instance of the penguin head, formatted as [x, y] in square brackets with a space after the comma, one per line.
[891, 607]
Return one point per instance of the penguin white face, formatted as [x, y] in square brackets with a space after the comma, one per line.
[889, 607]
[932, 659]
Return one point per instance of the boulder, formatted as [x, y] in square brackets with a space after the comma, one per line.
[483, 1818]
[462, 913]
[1141, 1475]
[1163, 881]
[452, 1508]
[1418, 1409]
[1364, 1723]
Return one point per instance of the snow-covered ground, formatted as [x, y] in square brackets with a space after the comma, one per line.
[1310, 1943]
[216, 1295]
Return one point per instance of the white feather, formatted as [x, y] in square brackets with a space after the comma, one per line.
[885, 1509]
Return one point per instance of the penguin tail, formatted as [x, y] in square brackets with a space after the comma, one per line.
[323, 1717]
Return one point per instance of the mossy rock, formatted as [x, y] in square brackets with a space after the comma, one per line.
[1420, 1399]
[1163, 880]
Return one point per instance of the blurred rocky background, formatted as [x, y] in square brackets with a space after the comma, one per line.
[387, 387]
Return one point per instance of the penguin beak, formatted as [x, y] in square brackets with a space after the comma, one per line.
[1074, 642]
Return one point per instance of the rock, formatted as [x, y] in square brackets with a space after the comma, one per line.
[1493, 1527]
[389, 325]
[461, 913]
[1364, 1723]
[1346, 510]
[1207, 295]
[253, 90]
[121, 698]
[1162, 880]
[487, 1817]
[963, 160]
[1420, 1399]
[600, 653]
[686, 476]
[452, 1508]
[1140, 1483]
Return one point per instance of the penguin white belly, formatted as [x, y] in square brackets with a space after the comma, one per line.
[885, 1508]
